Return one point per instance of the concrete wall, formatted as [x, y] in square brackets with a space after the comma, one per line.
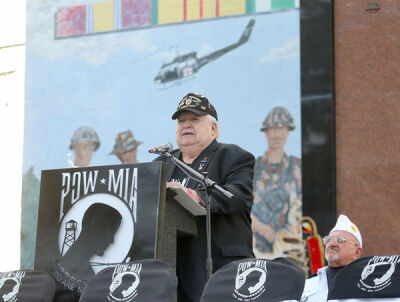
[12, 76]
[367, 69]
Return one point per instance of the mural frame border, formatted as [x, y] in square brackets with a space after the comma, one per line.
[318, 112]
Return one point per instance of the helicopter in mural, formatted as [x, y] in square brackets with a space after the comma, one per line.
[188, 64]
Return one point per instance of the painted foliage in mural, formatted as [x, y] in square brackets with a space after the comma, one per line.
[103, 79]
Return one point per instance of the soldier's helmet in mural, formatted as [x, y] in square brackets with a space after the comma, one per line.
[85, 134]
[278, 117]
[125, 141]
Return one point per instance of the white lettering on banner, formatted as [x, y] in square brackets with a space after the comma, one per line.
[121, 182]
[91, 181]
[65, 190]
[124, 186]
[88, 184]
[131, 267]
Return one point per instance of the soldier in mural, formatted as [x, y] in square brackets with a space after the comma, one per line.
[277, 191]
[84, 142]
[125, 147]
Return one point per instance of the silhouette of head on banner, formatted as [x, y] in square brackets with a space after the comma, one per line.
[99, 226]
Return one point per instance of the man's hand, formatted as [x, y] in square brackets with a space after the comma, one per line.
[192, 193]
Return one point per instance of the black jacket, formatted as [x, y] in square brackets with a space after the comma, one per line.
[232, 168]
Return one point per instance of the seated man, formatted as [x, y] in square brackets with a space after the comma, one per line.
[343, 245]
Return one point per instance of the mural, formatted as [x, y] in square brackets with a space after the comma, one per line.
[95, 71]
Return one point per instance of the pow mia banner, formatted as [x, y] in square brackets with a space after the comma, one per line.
[95, 217]
[375, 278]
[253, 280]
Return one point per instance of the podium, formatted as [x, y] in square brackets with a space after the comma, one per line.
[97, 217]
[178, 221]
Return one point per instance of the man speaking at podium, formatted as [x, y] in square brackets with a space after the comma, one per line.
[230, 167]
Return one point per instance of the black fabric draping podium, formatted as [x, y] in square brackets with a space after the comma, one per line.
[97, 217]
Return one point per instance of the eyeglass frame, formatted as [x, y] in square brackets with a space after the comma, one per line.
[338, 240]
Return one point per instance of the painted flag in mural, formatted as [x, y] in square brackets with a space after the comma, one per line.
[369, 279]
[71, 21]
[104, 16]
[174, 11]
[270, 5]
[136, 13]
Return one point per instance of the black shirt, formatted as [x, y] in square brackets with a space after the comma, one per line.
[331, 273]
[199, 164]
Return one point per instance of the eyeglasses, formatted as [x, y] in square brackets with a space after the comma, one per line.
[339, 240]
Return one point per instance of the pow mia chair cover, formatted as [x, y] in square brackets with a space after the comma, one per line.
[256, 280]
[139, 281]
[369, 279]
[26, 286]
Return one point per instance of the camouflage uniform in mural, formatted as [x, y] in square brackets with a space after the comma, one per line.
[277, 196]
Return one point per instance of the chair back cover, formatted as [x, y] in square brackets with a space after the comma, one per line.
[256, 280]
[139, 281]
[374, 278]
[26, 286]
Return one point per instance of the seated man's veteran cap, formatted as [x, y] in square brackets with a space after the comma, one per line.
[344, 224]
[197, 104]
[125, 141]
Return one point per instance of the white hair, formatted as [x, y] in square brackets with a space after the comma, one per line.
[213, 120]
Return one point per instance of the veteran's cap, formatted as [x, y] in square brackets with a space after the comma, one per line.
[344, 224]
[197, 104]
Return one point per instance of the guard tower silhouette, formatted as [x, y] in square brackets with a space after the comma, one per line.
[70, 234]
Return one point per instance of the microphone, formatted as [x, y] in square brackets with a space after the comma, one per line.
[166, 147]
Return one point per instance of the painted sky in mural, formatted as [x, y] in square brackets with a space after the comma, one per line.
[106, 81]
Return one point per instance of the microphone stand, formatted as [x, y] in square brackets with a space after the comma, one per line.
[209, 185]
